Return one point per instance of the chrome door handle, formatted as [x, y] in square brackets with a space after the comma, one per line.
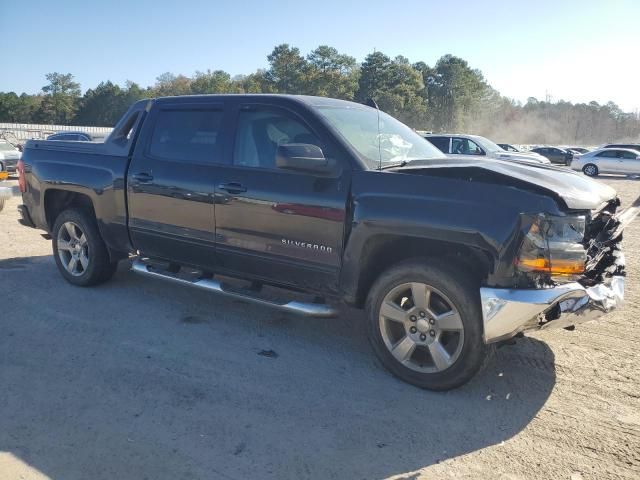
[142, 177]
[232, 187]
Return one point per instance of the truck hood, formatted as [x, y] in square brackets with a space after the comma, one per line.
[575, 189]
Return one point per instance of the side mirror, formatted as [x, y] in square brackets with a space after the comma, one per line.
[303, 157]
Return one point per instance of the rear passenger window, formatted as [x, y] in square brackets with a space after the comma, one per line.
[190, 135]
[441, 143]
[261, 131]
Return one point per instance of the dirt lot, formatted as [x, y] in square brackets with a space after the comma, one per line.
[138, 379]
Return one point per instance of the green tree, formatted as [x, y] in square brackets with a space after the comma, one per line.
[331, 74]
[451, 95]
[60, 99]
[395, 85]
[375, 74]
[256, 82]
[101, 106]
[9, 107]
[287, 70]
[454, 92]
[217, 81]
[169, 84]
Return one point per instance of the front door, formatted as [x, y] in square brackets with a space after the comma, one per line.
[628, 162]
[277, 225]
[608, 161]
[555, 155]
[171, 182]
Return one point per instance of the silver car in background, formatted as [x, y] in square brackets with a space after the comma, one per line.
[608, 160]
[9, 156]
[463, 144]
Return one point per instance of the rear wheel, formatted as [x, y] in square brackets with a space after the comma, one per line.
[590, 170]
[425, 324]
[79, 251]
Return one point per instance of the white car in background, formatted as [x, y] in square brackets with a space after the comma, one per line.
[9, 156]
[5, 192]
[463, 144]
[608, 160]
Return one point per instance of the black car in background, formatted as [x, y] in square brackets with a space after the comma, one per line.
[555, 154]
[71, 136]
[578, 150]
[632, 146]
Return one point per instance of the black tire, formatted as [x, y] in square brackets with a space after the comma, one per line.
[100, 268]
[590, 170]
[463, 292]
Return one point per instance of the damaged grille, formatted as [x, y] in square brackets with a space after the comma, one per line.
[603, 238]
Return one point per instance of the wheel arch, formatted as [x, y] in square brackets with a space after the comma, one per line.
[381, 252]
[57, 200]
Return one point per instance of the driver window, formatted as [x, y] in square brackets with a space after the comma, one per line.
[464, 146]
[261, 132]
[474, 149]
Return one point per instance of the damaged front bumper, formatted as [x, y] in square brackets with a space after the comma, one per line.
[507, 312]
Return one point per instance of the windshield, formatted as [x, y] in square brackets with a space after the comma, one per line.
[6, 147]
[487, 145]
[393, 143]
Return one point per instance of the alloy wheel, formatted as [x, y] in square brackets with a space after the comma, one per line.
[73, 249]
[421, 327]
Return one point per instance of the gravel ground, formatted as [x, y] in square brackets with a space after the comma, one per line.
[139, 379]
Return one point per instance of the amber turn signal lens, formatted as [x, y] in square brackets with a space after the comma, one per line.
[567, 267]
[558, 267]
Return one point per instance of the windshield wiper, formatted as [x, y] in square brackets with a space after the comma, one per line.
[394, 165]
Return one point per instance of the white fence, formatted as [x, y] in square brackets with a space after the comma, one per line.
[27, 131]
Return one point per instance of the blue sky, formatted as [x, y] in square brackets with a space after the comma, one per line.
[573, 50]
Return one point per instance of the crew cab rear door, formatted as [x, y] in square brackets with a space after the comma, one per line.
[274, 224]
[171, 181]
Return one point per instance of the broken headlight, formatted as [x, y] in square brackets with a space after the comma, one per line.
[553, 246]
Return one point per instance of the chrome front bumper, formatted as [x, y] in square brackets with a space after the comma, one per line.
[506, 312]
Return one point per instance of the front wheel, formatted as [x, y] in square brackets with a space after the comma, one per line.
[590, 170]
[425, 324]
[79, 251]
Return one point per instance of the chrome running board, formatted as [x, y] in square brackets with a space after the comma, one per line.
[316, 310]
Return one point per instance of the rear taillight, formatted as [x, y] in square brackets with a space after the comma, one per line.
[22, 182]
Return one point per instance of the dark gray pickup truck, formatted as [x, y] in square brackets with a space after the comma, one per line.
[341, 203]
